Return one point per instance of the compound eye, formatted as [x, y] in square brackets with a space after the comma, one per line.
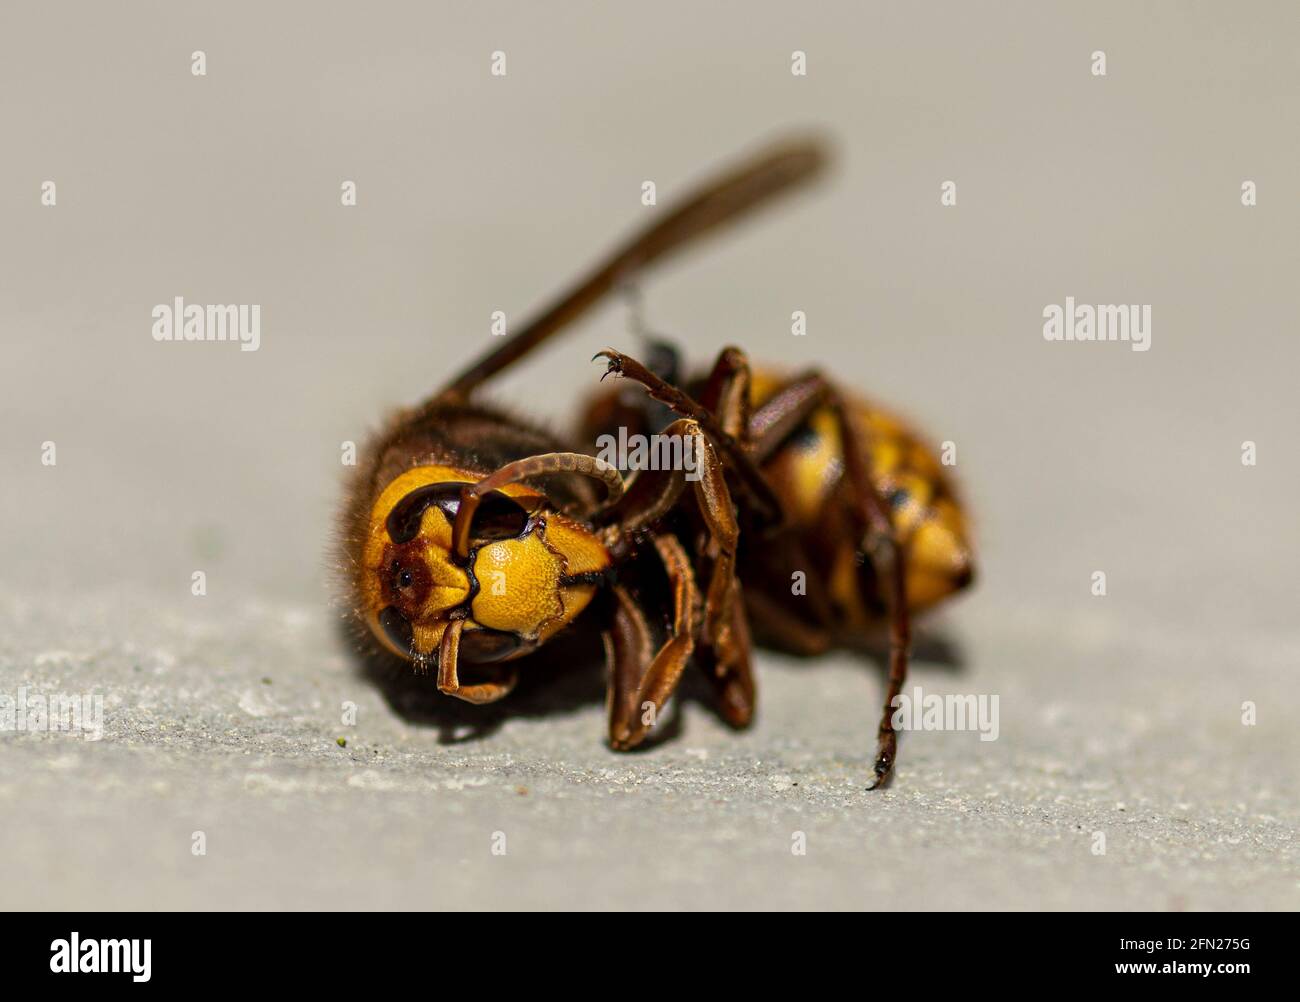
[498, 517]
[397, 628]
[484, 646]
[404, 520]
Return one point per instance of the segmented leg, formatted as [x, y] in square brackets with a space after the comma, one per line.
[724, 651]
[729, 668]
[640, 685]
[653, 493]
[521, 469]
[769, 427]
[749, 478]
[449, 680]
[726, 393]
[792, 405]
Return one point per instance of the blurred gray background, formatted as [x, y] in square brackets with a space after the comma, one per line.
[1119, 715]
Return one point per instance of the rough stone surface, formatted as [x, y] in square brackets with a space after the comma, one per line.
[226, 722]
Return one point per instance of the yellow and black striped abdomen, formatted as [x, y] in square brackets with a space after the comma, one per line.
[807, 472]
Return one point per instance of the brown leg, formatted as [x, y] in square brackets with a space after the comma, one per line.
[639, 686]
[723, 654]
[449, 681]
[782, 414]
[769, 427]
[757, 491]
[729, 669]
[653, 493]
[725, 649]
[726, 393]
[722, 410]
[521, 469]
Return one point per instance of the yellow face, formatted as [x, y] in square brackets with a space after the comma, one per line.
[529, 571]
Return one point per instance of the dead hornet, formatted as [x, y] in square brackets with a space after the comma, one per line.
[870, 531]
[867, 529]
[829, 491]
[470, 537]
